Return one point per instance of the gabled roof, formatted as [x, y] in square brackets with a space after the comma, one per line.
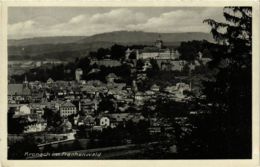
[50, 80]
[111, 75]
[67, 104]
[154, 86]
[18, 89]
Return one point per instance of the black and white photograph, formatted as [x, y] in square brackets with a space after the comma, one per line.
[129, 83]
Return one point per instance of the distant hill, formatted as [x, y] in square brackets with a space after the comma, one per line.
[139, 37]
[70, 47]
[44, 40]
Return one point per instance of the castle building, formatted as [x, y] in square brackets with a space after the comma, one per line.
[158, 51]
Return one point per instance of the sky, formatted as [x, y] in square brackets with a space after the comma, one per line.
[28, 22]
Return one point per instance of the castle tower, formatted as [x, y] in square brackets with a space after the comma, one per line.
[159, 42]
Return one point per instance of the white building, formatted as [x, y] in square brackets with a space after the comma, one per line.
[67, 108]
[37, 127]
[104, 122]
[24, 110]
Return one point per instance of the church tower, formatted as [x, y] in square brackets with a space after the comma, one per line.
[25, 82]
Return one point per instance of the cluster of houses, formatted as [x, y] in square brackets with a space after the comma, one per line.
[81, 99]
[29, 100]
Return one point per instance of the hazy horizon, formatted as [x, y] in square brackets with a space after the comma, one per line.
[32, 22]
[99, 34]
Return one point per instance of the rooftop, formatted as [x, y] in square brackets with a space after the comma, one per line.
[18, 89]
[67, 104]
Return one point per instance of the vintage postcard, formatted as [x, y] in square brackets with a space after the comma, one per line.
[125, 83]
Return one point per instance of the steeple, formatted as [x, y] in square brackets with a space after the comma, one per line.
[25, 82]
[25, 79]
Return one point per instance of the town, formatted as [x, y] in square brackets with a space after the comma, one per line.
[78, 114]
[130, 83]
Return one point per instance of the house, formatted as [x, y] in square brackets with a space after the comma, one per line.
[67, 108]
[76, 119]
[192, 66]
[154, 130]
[204, 60]
[88, 106]
[88, 120]
[155, 88]
[94, 70]
[49, 81]
[97, 128]
[113, 123]
[24, 110]
[36, 127]
[89, 89]
[111, 77]
[37, 108]
[120, 117]
[146, 65]
[136, 117]
[150, 92]
[19, 92]
[183, 87]
[178, 65]
[104, 122]
[178, 88]
[37, 97]
[116, 118]
[139, 96]
[106, 62]
[66, 126]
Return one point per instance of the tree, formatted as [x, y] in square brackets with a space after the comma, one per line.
[154, 70]
[83, 63]
[14, 125]
[230, 93]
[107, 104]
[102, 52]
[53, 118]
[19, 149]
[118, 51]
[132, 55]
[48, 149]
[139, 64]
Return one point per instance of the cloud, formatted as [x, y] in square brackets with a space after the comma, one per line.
[77, 19]
[20, 26]
[178, 21]
[117, 19]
